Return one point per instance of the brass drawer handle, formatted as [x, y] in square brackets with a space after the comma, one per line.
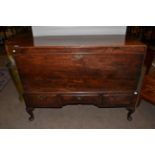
[78, 56]
[79, 98]
[42, 97]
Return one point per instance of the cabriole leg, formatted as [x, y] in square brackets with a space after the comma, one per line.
[130, 112]
[30, 112]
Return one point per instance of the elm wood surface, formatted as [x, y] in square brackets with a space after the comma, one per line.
[148, 89]
[79, 69]
[98, 70]
[150, 56]
[62, 99]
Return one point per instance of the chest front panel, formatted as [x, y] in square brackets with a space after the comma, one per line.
[79, 69]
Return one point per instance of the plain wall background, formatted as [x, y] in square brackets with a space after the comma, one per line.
[77, 30]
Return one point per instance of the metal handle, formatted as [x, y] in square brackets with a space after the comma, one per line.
[42, 97]
[79, 98]
[78, 56]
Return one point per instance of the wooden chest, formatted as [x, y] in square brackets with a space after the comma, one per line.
[80, 70]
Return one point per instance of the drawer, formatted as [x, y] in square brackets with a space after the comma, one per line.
[42, 100]
[81, 99]
[100, 100]
[118, 100]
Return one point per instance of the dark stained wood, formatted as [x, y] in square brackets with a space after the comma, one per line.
[148, 88]
[149, 58]
[130, 112]
[81, 98]
[30, 112]
[100, 70]
[42, 100]
[57, 100]
[21, 39]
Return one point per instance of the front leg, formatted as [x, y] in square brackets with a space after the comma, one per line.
[30, 112]
[130, 112]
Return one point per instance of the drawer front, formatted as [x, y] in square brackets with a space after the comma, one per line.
[85, 69]
[100, 100]
[42, 100]
[118, 100]
[81, 99]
